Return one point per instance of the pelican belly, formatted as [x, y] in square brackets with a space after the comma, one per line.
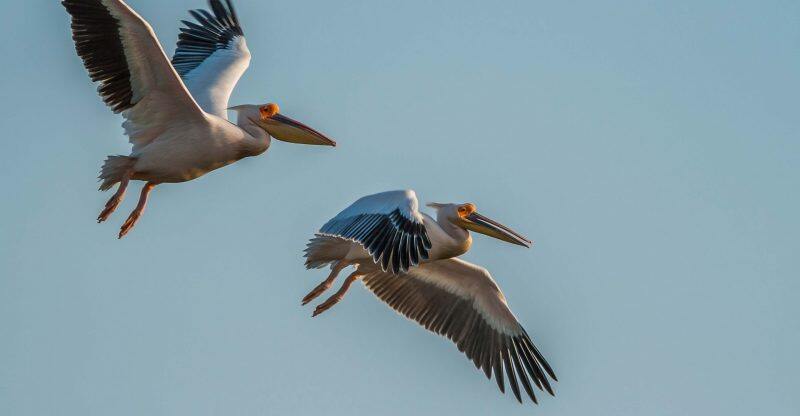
[187, 155]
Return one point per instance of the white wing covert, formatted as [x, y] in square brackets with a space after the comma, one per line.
[212, 56]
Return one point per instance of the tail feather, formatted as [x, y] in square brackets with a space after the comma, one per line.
[113, 169]
[323, 250]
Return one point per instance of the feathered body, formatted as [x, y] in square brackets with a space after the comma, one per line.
[409, 260]
[187, 152]
[175, 112]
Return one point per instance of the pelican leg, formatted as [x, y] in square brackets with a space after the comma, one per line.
[338, 296]
[134, 217]
[115, 200]
[327, 283]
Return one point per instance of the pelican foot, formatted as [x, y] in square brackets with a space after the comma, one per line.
[111, 205]
[327, 283]
[320, 289]
[338, 296]
[134, 217]
[129, 223]
[324, 306]
[115, 200]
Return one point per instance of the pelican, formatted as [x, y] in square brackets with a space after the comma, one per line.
[175, 112]
[409, 260]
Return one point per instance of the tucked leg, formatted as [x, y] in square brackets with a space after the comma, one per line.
[338, 296]
[134, 217]
[115, 200]
[327, 283]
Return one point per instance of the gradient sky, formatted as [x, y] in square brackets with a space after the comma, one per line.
[651, 149]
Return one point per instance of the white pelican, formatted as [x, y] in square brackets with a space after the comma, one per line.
[175, 113]
[408, 260]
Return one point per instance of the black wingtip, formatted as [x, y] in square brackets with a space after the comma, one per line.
[95, 32]
[200, 40]
[234, 16]
[227, 14]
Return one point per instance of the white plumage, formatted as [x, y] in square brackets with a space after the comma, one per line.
[446, 295]
[175, 113]
[384, 203]
[213, 81]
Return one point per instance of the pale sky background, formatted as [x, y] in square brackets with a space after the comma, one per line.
[650, 148]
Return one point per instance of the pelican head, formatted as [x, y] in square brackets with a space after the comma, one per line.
[467, 217]
[281, 127]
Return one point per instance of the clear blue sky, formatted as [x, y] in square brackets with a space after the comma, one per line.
[651, 149]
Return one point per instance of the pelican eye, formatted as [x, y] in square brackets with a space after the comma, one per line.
[269, 110]
[466, 209]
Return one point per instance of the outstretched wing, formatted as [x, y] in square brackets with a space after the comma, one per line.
[461, 301]
[388, 225]
[121, 52]
[212, 55]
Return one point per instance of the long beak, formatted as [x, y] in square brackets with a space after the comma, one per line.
[480, 224]
[285, 129]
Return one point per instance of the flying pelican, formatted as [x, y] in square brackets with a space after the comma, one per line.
[409, 261]
[175, 113]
